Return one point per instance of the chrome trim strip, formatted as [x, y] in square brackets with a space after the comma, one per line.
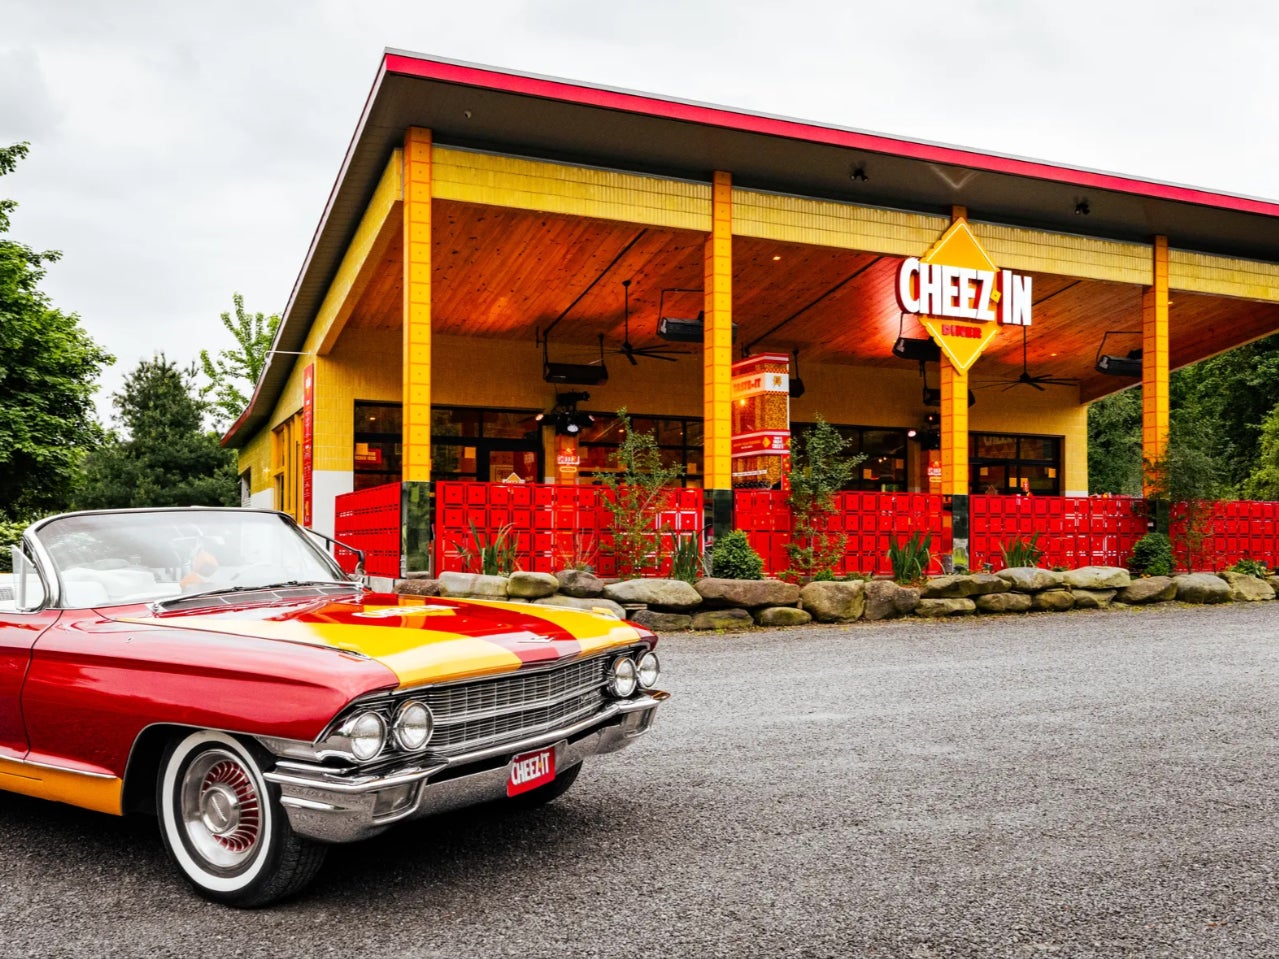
[60, 769]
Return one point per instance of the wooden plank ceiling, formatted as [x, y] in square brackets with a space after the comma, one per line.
[513, 274]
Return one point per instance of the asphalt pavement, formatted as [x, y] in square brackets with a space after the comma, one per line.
[1078, 785]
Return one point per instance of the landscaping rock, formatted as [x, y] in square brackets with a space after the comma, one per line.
[1030, 579]
[746, 593]
[886, 600]
[1148, 589]
[1052, 600]
[578, 582]
[1097, 577]
[723, 619]
[782, 616]
[1093, 598]
[1201, 588]
[582, 602]
[670, 595]
[417, 587]
[1273, 580]
[531, 585]
[472, 585]
[949, 606]
[1004, 602]
[1247, 589]
[976, 584]
[834, 602]
[662, 622]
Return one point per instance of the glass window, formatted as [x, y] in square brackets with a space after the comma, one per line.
[1015, 465]
[679, 440]
[884, 466]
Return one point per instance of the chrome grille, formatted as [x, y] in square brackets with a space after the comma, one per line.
[472, 715]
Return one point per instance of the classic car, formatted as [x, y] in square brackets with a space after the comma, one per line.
[218, 669]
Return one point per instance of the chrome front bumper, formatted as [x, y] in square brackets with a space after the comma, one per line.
[332, 806]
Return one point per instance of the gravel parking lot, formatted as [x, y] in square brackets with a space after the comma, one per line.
[1079, 784]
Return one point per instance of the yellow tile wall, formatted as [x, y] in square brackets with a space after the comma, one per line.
[526, 184]
[1223, 275]
[794, 219]
[1064, 254]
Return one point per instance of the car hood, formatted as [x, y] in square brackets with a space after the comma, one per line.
[430, 641]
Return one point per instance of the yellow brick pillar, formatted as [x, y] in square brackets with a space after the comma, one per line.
[717, 350]
[954, 415]
[1154, 366]
[954, 430]
[417, 306]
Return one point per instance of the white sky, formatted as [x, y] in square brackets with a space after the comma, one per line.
[184, 151]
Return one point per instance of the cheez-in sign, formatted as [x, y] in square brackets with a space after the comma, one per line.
[961, 295]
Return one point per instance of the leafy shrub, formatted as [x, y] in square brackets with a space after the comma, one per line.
[910, 559]
[819, 469]
[495, 555]
[1249, 567]
[1022, 552]
[1151, 556]
[11, 535]
[686, 558]
[733, 558]
[636, 493]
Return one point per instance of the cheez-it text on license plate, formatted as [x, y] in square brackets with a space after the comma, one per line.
[530, 770]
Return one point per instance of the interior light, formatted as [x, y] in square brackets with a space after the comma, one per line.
[776, 258]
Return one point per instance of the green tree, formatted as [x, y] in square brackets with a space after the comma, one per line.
[1263, 482]
[819, 469]
[161, 456]
[636, 493]
[241, 367]
[1114, 444]
[48, 371]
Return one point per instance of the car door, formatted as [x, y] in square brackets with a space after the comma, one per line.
[23, 618]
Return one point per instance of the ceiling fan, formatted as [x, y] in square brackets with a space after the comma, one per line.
[655, 352]
[1025, 379]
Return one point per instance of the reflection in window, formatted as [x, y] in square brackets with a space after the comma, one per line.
[1010, 464]
[679, 440]
[884, 468]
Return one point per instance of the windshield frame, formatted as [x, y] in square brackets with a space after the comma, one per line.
[56, 593]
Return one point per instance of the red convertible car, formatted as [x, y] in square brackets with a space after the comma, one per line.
[216, 667]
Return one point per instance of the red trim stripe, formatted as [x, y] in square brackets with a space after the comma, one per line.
[797, 130]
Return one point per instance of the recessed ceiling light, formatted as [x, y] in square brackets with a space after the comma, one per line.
[776, 258]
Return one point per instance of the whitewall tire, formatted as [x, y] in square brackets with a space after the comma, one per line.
[223, 827]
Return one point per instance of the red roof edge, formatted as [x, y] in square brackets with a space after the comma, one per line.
[650, 105]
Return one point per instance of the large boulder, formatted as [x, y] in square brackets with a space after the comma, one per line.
[886, 600]
[1247, 589]
[1029, 579]
[1052, 601]
[1201, 588]
[662, 622]
[747, 593]
[589, 603]
[417, 586]
[960, 585]
[732, 618]
[1148, 589]
[946, 606]
[524, 585]
[578, 582]
[1273, 580]
[670, 595]
[831, 602]
[1097, 577]
[1003, 602]
[782, 616]
[472, 585]
[1093, 598]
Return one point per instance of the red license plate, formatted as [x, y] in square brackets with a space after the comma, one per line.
[530, 770]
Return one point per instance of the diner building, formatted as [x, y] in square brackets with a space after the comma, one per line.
[506, 261]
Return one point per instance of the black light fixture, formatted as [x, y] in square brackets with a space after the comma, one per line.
[919, 350]
[858, 175]
[564, 416]
[1081, 208]
[584, 374]
[796, 384]
[1113, 365]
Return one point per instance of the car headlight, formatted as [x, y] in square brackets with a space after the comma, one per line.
[413, 725]
[365, 735]
[648, 671]
[622, 677]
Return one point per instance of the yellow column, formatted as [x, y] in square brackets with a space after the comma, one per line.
[954, 430]
[417, 306]
[717, 350]
[954, 416]
[1154, 365]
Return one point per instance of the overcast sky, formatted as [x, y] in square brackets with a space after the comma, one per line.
[184, 151]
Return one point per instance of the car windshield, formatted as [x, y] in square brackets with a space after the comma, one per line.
[141, 557]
